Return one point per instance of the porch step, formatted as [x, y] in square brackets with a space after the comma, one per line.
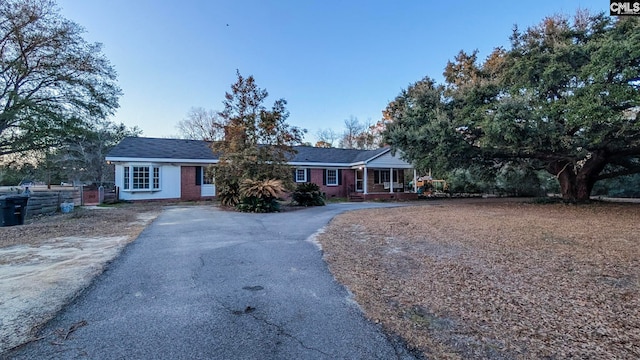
[356, 197]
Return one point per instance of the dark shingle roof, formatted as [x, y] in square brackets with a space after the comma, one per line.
[308, 154]
[157, 148]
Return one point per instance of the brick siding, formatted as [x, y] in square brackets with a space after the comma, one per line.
[189, 191]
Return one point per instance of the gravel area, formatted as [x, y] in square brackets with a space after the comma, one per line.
[48, 261]
[495, 279]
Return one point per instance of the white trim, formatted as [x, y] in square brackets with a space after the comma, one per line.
[213, 162]
[377, 156]
[336, 183]
[207, 190]
[319, 165]
[203, 177]
[161, 160]
[366, 180]
[397, 166]
[304, 170]
[151, 173]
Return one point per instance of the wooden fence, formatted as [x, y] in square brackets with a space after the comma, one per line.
[48, 201]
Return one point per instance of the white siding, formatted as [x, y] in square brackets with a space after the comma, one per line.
[119, 175]
[208, 190]
[169, 185]
[389, 161]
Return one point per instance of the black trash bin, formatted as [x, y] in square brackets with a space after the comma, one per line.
[14, 209]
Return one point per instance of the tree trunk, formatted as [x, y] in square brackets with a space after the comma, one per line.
[576, 188]
[583, 190]
[567, 179]
[563, 171]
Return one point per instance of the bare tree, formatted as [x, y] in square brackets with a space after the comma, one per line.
[371, 137]
[352, 129]
[202, 124]
[361, 135]
[326, 138]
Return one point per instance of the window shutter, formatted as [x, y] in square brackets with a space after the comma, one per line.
[324, 176]
[198, 175]
[293, 173]
[339, 176]
[308, 175]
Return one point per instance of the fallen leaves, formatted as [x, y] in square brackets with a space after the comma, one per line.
[108, 221]
[510, 280]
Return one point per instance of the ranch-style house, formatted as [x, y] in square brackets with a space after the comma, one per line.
[174, 169]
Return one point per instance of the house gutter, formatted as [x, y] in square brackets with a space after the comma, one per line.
[161, 160]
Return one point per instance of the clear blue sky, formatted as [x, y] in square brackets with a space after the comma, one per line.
[329, 59]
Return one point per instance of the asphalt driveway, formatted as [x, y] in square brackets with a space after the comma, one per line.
[202, 283]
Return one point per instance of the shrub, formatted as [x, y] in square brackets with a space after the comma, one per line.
[258, 205]
[261, 189]
[260, 195]
[229, 194]
[308, 194]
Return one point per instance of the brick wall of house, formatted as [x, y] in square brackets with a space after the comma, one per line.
[342, 190]
[188, 189]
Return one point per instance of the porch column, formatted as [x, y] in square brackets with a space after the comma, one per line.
[365, 180]
[415, 181]
[391, 180]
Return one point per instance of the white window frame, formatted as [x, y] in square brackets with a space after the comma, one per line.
[131, 177]
[204, 179]
[126, 177]
[335, 182]
[302, 179]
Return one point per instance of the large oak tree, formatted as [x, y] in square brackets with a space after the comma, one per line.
[52, 82]
[564, 98]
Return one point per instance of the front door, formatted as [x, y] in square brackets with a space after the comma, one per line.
[359, 180]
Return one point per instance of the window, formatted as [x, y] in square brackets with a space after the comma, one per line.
[156, 178]
[384, 176]
[381, 176]
[332, 177]
[208, 176]
[127, 178]
[141, 177]
[301, 175]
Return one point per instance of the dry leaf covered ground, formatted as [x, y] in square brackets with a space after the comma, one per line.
[496, 279]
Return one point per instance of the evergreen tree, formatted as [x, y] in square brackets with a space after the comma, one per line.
[52, 82]
[257, 141]
[562, 98]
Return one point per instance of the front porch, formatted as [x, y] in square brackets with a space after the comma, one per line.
[377, 183]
